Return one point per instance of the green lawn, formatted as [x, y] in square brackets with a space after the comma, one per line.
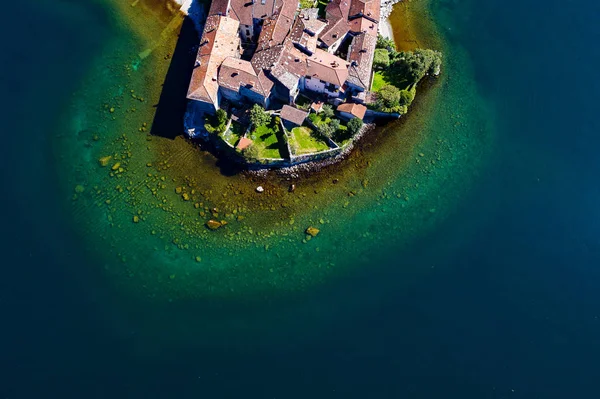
[235, 132]
[269, 141]
[306, 141]
[379, 80]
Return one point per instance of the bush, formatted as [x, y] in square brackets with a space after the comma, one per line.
[381, 58]
[221, 117]
[415, 65]
[388, 99]
[407, 96]
[217, 123]
[307, 3]
[258, 116]
[385, 43]
[251, 153]
[329, 129]
[327, 111]
[354, 125]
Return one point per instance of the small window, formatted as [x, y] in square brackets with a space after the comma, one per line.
[322, 81]
[308, 77]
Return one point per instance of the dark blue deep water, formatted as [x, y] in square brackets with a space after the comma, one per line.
[513, 311]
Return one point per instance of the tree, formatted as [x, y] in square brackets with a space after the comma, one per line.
[329, 129]
[385, 43]
[251, 153]
[307, 3]
[216, 123]
[221, 117]
[258, 116]
[388, 98]
[381, 59]
[407, 96]
[327, 111]
[415, 65]
[354, 125]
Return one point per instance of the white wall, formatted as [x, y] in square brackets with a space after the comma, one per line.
[315, 84]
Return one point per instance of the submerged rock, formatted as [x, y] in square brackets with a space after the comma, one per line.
[213, 224]
[312, 231]
[116, 166]
[260, 189]
[104, 160]
[79, 189]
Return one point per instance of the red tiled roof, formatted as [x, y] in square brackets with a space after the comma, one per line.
[337, 9]
[357, 110]
[360, 55]
[328, 67]
[218, 7]
[274, 31]
[242, 11]
[335, 30]
[317, 106]
[293, 115]
[363, 25]
[365, 8]
[265, 10]
[268, 58]
[243, 143]
[219, 41]
[286, 7]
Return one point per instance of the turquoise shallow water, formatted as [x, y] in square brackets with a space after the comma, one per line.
[482, 284]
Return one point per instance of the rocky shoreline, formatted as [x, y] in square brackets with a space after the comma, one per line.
[387, 7]
[314, 166]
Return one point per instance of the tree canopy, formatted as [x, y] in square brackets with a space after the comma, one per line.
[416, 64]
[329, 129]
[388, 98]
[216, 123]
[385, 43]
[381, 59]
[258, 116]
[327, 111]
[354, 125]
[251, 152]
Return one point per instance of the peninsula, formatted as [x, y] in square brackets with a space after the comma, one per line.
[277, 83]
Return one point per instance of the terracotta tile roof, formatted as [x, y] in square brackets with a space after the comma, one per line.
[242, 11]
[291, 66]
[219, 40]
[293, 115]
[335, 30]
[266, 83]
[311, 21]
[286, 7]
[360, 55]
[293, 61]
[357, 110]
[243, 143]
[363, 25]
[218, 7]
[267, 59]
[261, 10]
[235, 73]
[317, 106]
[337, 9]
[365, 8]
[274, 31]
[328, 67]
